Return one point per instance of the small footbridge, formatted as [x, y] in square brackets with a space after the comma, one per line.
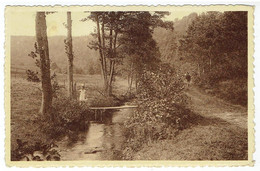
[100, 110]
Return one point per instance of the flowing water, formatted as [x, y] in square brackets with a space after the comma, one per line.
[102, 141]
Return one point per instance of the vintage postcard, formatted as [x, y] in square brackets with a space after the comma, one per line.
[129, 86]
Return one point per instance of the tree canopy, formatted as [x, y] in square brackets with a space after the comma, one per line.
[121, 35]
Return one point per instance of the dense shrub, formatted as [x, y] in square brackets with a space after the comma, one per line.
[68, 117]
[161, 109]
[32, 76]
[103, 100]
[234, 91]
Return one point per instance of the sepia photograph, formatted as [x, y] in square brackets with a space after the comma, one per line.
[129, 84]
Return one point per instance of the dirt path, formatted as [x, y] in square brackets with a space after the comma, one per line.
[217, 131]
[212, 107]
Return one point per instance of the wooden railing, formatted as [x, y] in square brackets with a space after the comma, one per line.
[103, 109]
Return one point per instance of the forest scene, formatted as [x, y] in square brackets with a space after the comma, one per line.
[130, 85]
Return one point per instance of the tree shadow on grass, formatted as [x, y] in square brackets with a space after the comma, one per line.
[223, 140]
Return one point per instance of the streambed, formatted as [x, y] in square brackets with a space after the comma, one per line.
[102, 141]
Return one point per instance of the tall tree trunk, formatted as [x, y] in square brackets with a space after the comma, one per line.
[111, 76]
[130, 78]
[70, 55]
[42, 41]
[103, 72]
[112, 60]
[110, 48]
[104, 46]
[136, 83]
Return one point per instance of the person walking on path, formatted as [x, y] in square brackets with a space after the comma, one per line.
[188, 78]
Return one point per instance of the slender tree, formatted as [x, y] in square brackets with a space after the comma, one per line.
[101, 50]
[129, 29]
[43, 51]
[68, 48]
[106, 44]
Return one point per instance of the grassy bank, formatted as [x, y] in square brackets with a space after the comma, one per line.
[31, 131]
[215, 130]
[25, 105]
[205, 140]
[35, 131]
[234, 91]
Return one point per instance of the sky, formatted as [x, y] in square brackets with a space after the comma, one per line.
[23, 22]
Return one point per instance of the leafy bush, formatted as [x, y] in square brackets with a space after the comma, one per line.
[161, 109]
[100, 100]
[55, 85]
[37, 152]
[234, 91]
[68, 117]
[32, 76]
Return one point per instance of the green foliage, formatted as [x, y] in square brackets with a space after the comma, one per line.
[77, 70]
[93, 67]
[168, 40]
[32, 76]
[137, 41]
[127, 35]
[212, 47]
[55, 86]
[161, 111]
[234, 91]
[91, 70]
[102, 100]
[54, 66]
[218, 43]
[68, 117]
[37, 152]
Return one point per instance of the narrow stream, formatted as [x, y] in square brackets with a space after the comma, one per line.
[102, 141]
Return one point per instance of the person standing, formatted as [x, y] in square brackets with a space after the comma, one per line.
[82, 94]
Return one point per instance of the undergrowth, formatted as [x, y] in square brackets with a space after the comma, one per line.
[161, 112]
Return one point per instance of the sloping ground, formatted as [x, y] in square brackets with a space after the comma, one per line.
[25, 105]
[212, 107]
[218, 131]
[26, 101]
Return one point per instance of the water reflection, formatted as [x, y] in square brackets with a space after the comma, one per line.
[102, 140]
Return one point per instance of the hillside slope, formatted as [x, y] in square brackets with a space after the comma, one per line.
[21, 46]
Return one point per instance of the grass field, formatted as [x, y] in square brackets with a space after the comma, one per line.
[25, 105]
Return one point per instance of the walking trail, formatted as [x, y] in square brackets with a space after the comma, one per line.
[218, 131]
[212, 107]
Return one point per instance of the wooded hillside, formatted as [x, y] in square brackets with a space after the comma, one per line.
[212, 47]
[84, 57]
